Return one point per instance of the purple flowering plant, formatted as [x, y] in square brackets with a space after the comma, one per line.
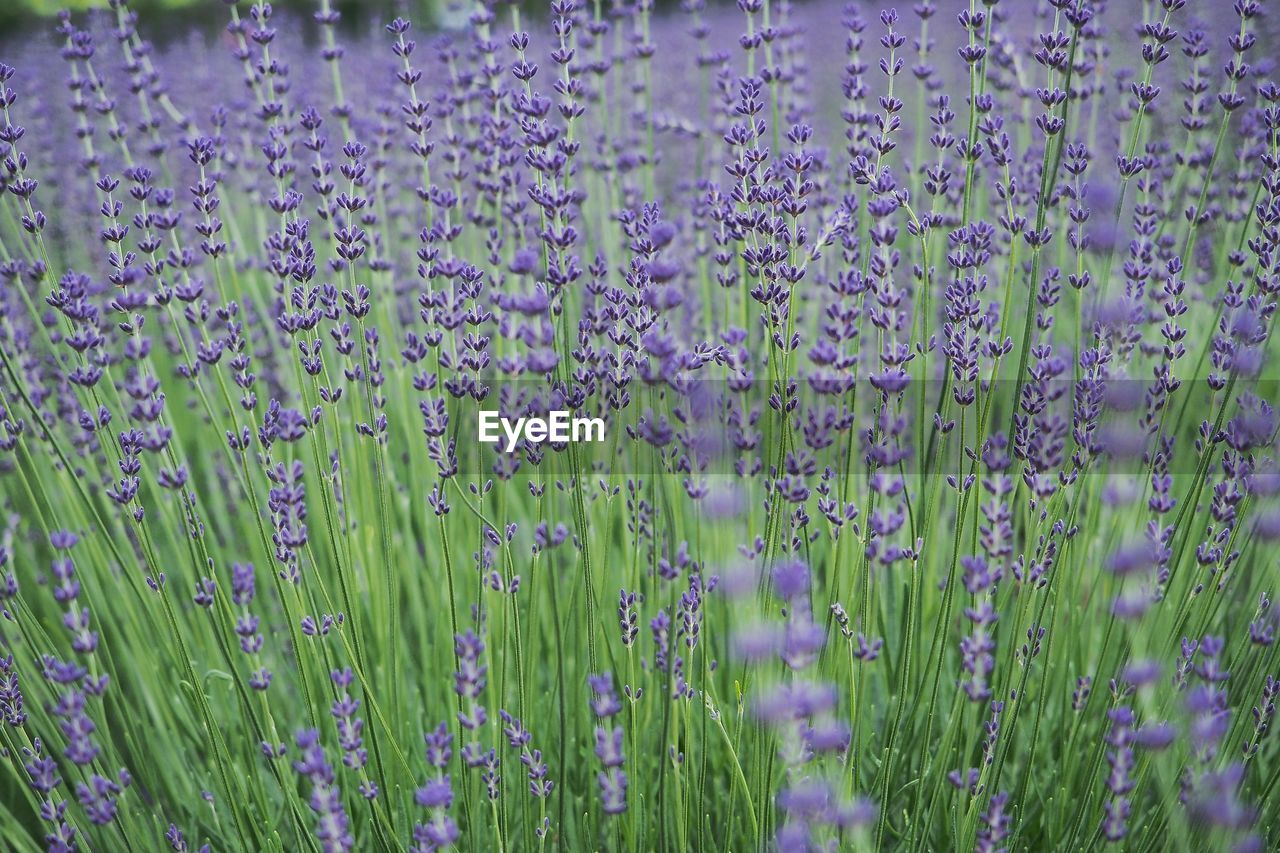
[936, 503]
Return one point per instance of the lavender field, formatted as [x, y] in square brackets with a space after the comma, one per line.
[935, 503]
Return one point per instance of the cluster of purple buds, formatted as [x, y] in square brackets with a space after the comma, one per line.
[351, 729]
[609, 747]
[42, 775]
[519, 738]
[440, 832]
[248, 625]
[332, 824]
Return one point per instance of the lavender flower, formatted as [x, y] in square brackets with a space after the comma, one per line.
[950, 335]
[608, 740]
[332, 824]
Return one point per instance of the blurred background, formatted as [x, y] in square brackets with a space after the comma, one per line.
[19, 17]
[24, 16]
